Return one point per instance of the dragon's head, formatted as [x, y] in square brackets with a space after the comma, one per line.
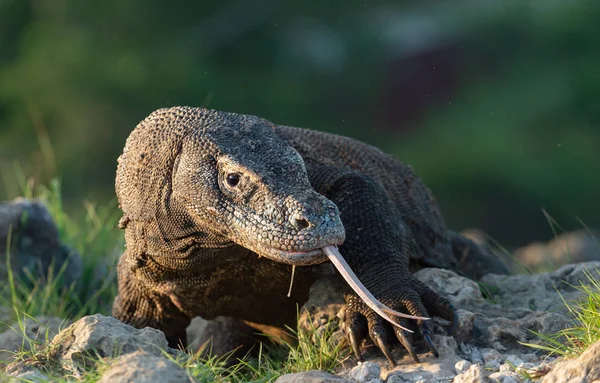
[224, 178]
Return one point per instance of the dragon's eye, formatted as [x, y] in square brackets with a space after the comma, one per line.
[233, 179]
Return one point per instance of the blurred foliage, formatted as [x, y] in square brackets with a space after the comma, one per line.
[495, 103]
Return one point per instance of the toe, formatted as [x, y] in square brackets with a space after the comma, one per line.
[405, 339]
[438, 305]
[378, 335]
[355, 325]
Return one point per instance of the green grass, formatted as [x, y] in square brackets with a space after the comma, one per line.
[94, 237]
[585, 331]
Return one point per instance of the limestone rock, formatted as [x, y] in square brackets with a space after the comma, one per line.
[505, 377]
[36, 330]
[462, 292]
[584, 369]
[314, 376]
[462, 366]
[97, 336]
[475, 374]
[366, 372]
[144, 367]
[30, 376]
[542, 292]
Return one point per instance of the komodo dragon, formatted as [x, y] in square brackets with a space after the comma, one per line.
[217, 206]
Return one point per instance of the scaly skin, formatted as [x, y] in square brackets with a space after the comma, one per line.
[218, 205]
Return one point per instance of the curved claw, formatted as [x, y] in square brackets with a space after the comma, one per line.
[403, 338]
[427, 338]
[346, 272]
[355, 344]
[381, 343]
[453, 323]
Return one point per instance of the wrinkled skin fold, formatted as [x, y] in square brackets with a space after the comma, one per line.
[217, 206]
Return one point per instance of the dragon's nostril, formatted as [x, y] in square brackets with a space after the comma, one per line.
[301, 223]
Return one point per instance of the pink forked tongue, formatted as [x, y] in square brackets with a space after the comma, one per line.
[342, 266]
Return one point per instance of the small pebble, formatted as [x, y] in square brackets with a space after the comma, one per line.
[462, 366]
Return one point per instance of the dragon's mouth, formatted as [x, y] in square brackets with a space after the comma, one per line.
[300, 257]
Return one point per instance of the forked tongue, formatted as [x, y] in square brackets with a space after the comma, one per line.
[342, 266]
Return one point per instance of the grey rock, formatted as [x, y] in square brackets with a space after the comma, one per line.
[504, 334]
[220, 336]
[313, 376]
[475, 374]
[396, 378]
[572, 247]
[325, 300]
[24, 336]
[584, 369]
[462, 366]
[514, 360]
[144, 367]
[35, 244]
[492, 359]
[431, 369]
[29, 376]
[542, 292]
[462, 292]
[464, 329]
[97, 336]
[501, 377]
[106, 337]
[367, 372]
[471, 353]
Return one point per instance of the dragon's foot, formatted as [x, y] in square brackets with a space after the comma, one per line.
[411, 297]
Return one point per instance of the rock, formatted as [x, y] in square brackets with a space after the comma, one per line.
[462, 292]
[504, 334]
[35, 244]
[105, 337]
[396, 378]
[144, 367]
[572, 247]
[366, 372]
[462, 366]
[542, 292]
[584, 369]
[501, 377]
[492, 359]
[464, 329]
[221, 336]
[324, 302]
[97, 336]
[314, 376]
[37, 330]
[30, 376]
[514, 360]
[475, 374]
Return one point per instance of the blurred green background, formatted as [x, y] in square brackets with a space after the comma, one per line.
[496, 104]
